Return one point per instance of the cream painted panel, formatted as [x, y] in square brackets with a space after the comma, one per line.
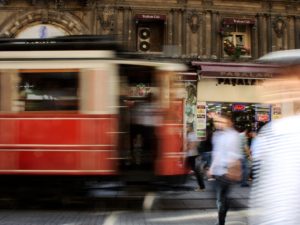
[9, 82]
[99, 90]
[209, 90]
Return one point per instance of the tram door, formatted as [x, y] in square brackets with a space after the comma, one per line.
[151, 124]
[139, 119]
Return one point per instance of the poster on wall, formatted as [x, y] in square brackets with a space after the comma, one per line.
[201, 120]
[276, 111]
[191, 101]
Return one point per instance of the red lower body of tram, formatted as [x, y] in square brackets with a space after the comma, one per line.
[77, 144]
[58, 144]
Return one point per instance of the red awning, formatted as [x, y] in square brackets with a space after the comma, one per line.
[236, 70]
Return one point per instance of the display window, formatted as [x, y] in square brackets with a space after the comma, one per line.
[251, 116]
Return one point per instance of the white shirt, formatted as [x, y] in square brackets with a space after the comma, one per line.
[226, 149]
[148, 114]
[275, 192]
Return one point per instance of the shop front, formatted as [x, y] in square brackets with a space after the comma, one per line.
[233, 88]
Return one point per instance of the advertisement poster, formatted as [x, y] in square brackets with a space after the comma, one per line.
[201, 120]
[276, 111]
[191, 101]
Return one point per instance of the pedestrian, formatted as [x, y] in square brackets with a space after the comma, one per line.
[147, 118]
[192, 154]
[274, 197]
[204, 149]
[226, 152]
[245, 157]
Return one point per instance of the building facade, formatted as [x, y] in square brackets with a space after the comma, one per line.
[194, 31]
[190, 29]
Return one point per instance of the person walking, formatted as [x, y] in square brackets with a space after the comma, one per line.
[274, 197]
[226, 152]
[245, 157]
[192, 154]
[204, 149]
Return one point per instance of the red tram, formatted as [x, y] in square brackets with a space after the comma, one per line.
[70, 111]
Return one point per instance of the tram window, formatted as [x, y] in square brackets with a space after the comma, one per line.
[140, 79]
[48, 91]
[138, 74]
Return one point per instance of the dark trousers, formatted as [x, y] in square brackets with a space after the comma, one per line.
[191, 161]
[206, 158]
[245, 169]
[222, 188]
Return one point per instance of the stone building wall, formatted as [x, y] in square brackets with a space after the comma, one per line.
[189, 29]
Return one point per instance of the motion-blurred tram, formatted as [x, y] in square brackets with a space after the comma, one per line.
[69, 108]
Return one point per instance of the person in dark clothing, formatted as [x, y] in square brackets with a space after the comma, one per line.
[204, 149]
[192, 154]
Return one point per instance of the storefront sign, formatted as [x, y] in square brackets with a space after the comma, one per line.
[238, 107]
[150, 17]
[236, 74]
[263, 113]
[236, 70]
[228, 21]
[234, 82]
[246, 74]
[263, 117]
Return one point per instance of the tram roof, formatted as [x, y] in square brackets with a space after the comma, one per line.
[79, 47]
[73, 42]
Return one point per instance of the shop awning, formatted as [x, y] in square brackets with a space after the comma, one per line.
[235, 70]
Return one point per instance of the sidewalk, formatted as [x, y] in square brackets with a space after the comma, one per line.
[183, 197]
[202, 200]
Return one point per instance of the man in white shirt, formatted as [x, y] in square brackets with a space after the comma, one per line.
[274, 198]
[226, 150]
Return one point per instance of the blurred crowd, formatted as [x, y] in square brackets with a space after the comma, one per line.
[269, 159]
[224, 157]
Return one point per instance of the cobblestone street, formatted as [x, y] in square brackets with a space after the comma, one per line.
[178, 217]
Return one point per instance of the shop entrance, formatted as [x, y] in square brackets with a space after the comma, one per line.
[251, 116]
